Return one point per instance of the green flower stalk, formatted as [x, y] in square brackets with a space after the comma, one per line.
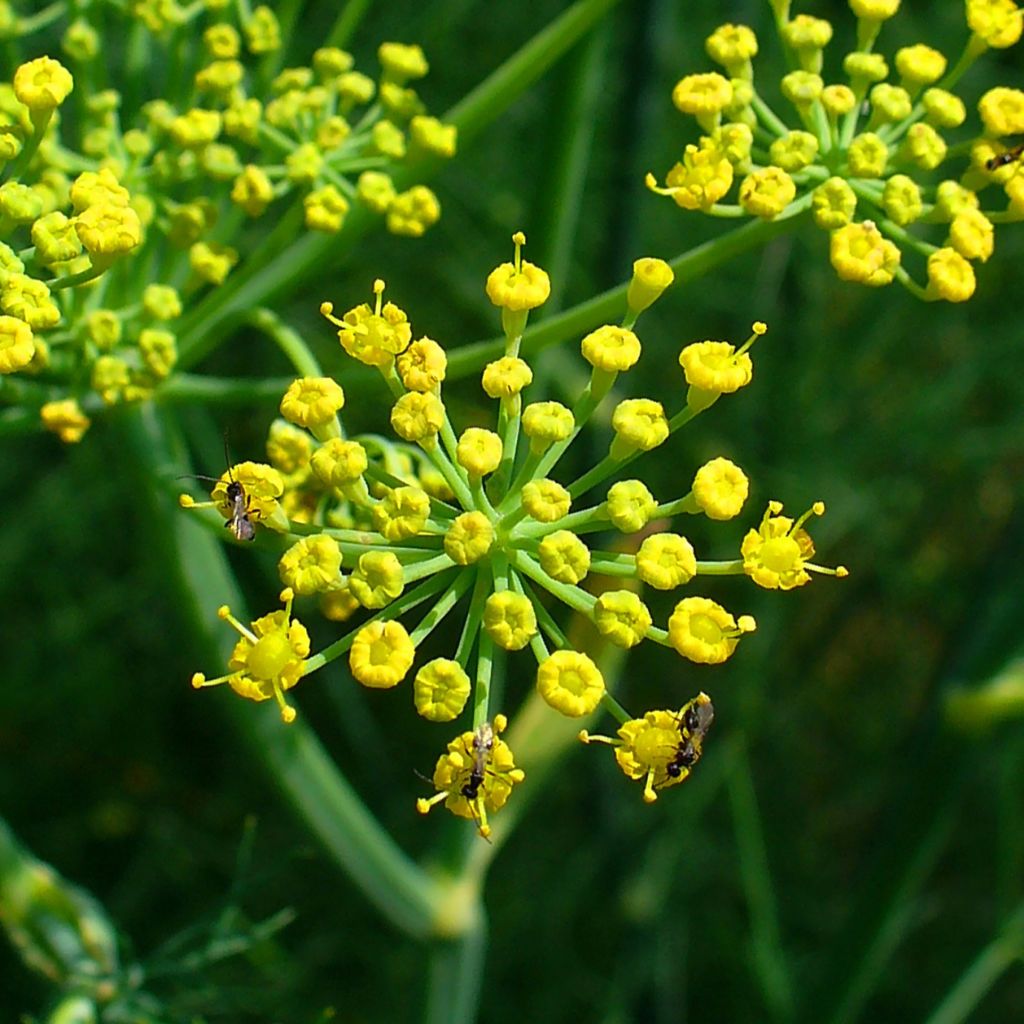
[151, 204]
[478, 521]
[867, 157]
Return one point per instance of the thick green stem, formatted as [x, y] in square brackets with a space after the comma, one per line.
[456, 976]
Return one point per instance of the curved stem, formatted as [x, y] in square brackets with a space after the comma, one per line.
[287, 339]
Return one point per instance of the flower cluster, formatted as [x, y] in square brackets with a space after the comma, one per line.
[183, 184]
[869, 155]
[480, 520]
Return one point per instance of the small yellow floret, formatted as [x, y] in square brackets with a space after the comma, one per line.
[1002, 111]
[326, 209]
[950, 276]
[518, 286]
[666, 561]
[108, 230]
[401, 513]
[422, 366]
[702, 95]
[777, 554]
[996, 23]
[838, 100]
[313, 402]
[268, 659]
[546, 423]
[65, 418]
[621, 617]
[55, 238]
[943, 109]
[29, 299]
[920, 65]
[377, 579]
[440, 690]
[381, 655]
[418, 416]
[42, 84]
[651, 277]
[564, 557]
[874, 10]
[662, 747]
[412, 212]
[714, 368]
[902, 200]
[972, 235]
[766, 192]
[703, 631]
[339, 462]
[373, 336]
[252, 190]
[17, 344]
[867, 156]
[732, 46]
[506, 377]
[510, 620]
[547, 501]
[402, 62]
[640, 424]
[630, 505]
[571, 683]
[833, 204]
[703, 177]
[469, 538]
[211, 261]
[476, 775]
[612, 349]
[478, 451]
[311, 565]
[859, 252]
[720, 488]
[792, 152]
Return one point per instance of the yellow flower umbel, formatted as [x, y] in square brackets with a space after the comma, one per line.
[268, 659]
[476, 775]
[397, 531]
[158, 179]
[868, 155]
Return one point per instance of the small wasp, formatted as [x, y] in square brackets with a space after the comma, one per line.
[695, 720]
[483, 744]
[1002, 159]
[239, 520]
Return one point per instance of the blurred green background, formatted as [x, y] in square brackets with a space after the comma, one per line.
[843, 851]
